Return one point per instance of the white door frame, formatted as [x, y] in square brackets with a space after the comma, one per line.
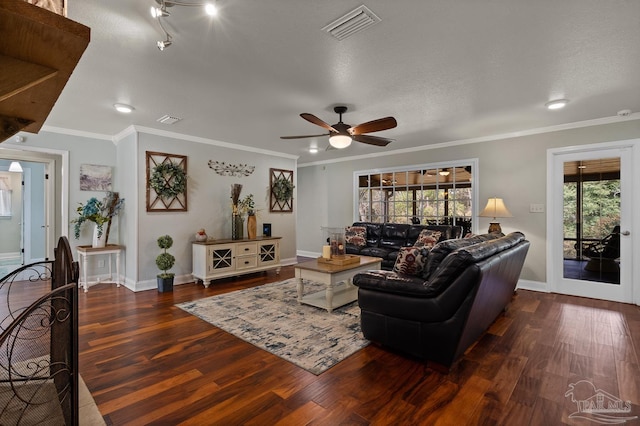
[629, 290]
[50, 187]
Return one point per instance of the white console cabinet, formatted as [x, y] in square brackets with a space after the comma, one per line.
[225, 258]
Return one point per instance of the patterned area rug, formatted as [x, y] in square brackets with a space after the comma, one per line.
[270, 318]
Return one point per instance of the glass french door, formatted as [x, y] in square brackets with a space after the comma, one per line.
[589, 223]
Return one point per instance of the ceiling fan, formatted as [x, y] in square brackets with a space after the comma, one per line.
[341, 134]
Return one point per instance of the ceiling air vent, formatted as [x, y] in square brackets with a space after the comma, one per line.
[168, 119]
[351, 23]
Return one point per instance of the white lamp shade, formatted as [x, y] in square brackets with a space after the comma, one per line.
[495, 208]
[15, 167]
[340, 141]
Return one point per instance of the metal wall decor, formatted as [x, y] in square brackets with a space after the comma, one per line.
[281, 190]
[224, 169]
[166, 182]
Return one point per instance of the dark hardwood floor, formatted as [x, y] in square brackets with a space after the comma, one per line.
[147, 362]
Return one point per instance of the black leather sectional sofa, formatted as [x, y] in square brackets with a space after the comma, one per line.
[384, 240]
[436, 316]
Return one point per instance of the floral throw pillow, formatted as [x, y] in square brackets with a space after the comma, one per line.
[356, 235]
[428, 238]
[411, 260]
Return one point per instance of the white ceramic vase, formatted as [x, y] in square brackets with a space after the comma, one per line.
[98, 242]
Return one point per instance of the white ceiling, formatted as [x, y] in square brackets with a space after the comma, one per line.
[447, 70]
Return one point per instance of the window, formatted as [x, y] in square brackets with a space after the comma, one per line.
[434, 194]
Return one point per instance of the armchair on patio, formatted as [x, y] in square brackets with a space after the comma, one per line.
[602, 254]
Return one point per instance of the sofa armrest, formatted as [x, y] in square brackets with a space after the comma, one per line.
[392, 282]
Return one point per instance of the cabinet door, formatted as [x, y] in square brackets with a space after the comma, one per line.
[269, 253]
[220, 258]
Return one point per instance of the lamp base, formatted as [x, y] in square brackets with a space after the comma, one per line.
[494, 227]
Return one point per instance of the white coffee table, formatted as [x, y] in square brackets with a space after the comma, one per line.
[340, 290]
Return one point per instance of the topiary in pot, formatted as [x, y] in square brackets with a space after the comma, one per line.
[165, 261]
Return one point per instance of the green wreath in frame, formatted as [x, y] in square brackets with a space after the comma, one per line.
[168, 180]
[283, 189]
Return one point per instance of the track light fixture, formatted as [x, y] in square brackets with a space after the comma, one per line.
[160, 12]
[164, 44]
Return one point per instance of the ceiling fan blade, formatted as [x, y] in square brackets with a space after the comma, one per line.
[374, 126]
[315, 120]
[304, 136]
[372, 140]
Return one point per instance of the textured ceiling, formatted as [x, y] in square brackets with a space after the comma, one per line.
[446, 70]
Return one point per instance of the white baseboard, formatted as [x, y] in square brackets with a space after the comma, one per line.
[289, 261]
[153, 284]
[532, 285]
[14, 255]
[311, 254]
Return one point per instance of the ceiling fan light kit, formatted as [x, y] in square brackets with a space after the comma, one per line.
[340, 141]
[341, 135]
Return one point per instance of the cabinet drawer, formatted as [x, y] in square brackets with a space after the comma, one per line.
[244, 249]
[243, 262]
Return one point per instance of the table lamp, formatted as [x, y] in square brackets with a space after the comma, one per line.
[495, 208]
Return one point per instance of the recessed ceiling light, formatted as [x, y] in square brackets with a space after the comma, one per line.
[557, 104]
[124, 108]
[313, 150]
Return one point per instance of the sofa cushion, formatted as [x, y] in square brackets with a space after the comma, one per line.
[428, 238]
[391, 282]
[375, 252]
[394, 235]
[443, 248]
[450, 268]
[374, 231]
[410, 260]
[483, 250]
[356, 235]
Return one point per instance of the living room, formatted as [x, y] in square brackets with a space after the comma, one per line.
[513, 154]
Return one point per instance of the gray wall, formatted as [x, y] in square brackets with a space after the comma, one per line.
[209, 204]
[209, 201]
[514, 169]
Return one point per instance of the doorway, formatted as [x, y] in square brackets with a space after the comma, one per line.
[25, 212]
[589, 222]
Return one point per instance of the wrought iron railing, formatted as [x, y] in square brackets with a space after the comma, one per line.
[39, 342]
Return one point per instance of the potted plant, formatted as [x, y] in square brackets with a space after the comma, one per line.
[98, 212]
[165, 261]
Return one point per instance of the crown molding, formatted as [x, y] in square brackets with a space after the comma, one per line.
[482, 139]
[198, 139]
[72, 132]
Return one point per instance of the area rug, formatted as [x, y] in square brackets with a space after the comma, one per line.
[270, 318]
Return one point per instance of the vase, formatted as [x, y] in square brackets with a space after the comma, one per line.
[98, 242]
[237, 225]
[252, 227]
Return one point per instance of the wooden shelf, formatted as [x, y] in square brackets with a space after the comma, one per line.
[38, 53]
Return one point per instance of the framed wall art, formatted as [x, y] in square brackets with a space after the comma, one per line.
[281, 190]
[94, 177]
[166, 182]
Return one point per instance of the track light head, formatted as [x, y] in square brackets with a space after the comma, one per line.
[211, 9]
[159, 12]
[163, 44]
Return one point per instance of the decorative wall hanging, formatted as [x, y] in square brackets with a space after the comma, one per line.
[281, 190]
[166, 182]
[95, 178]
[224, 169]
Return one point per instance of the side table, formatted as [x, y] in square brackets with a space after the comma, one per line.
[85, 251]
